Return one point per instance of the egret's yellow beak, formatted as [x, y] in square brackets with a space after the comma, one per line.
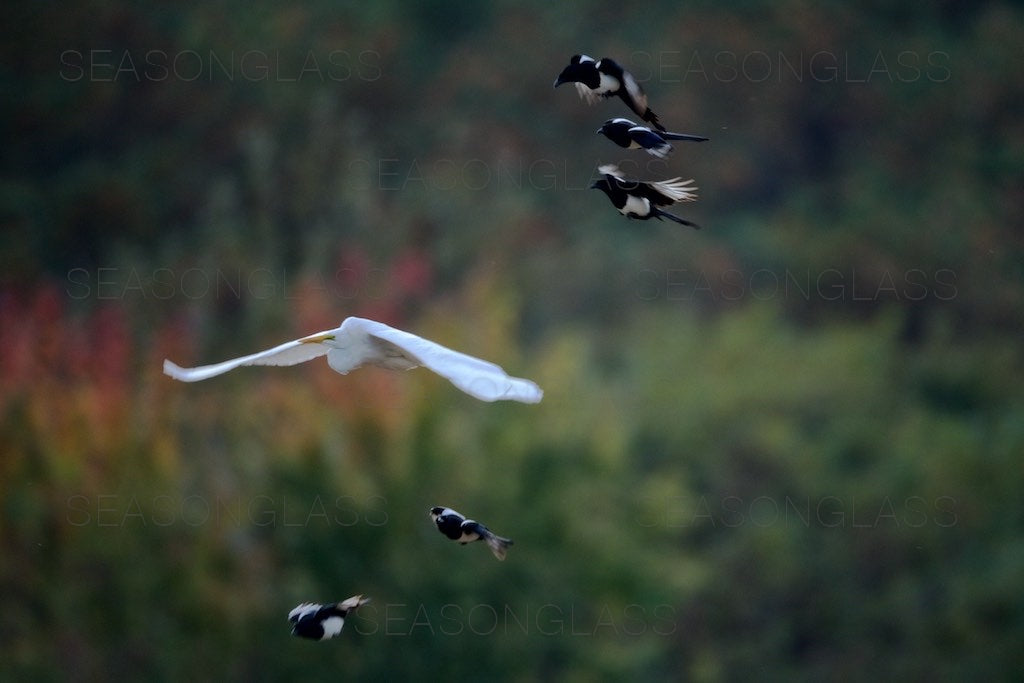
[316, 338]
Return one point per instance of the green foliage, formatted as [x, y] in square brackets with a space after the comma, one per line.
[785, 446]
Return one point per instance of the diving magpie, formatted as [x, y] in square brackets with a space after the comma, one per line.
[321, 622]
[458, 528]
[625, 133]
[640, 199]
[605, 78]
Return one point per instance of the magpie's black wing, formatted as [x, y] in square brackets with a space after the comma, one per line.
[660, 192]
[636, 98]
[303, 611]
[645, 137]
[450, 526]
[471, 526]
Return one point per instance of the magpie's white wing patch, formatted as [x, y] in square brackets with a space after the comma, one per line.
[302, 611]
[645, 135]
[636, 93]
[652, 142]
[612, 170]
[676, 189]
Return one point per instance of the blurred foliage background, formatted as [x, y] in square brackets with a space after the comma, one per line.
[786, 446]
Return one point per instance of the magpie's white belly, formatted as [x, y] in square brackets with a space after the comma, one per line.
[608, 84]
[637, 206]
[332, 626]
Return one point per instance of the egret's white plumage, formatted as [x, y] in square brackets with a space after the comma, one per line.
[358, 342]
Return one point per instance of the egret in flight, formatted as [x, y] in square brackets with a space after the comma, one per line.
[358, 342]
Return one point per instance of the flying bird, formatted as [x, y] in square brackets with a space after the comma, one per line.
[358, 342]
[625, 133]
[641, 199]
[458, 528]
[605, 78]
[322, 622]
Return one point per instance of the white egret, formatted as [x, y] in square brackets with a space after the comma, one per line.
[358, 342]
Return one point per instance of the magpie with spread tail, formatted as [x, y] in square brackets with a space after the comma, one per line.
[322, 622]
[458, 528]
[625, 133]
[605, 78]
[641, 199]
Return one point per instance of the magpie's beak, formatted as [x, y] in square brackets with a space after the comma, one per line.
[594, 185]
[600, 131]
[558, 82]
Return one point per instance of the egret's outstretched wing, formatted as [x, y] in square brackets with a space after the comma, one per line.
[289, 353]
[486, 381]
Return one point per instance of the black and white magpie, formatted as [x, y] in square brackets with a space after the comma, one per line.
[641, 199]
[458, 528]
[321, 622]
[605, 78]
[625, 133]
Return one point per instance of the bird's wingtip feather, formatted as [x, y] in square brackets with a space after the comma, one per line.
[173, 370]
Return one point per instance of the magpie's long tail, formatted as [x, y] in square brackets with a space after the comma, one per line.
[683, 136]
[659, 214]
[497, 544]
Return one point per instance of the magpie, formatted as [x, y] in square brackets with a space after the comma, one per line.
[458, 528]
[625, 133]
[321, 622]
[605, 78]
[640, 199]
